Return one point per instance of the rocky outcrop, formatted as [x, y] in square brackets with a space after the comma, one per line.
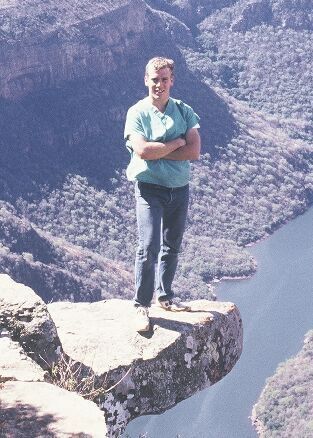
[39, 409]
[25, 317]
[132, 374]
[29, 405]
[182, 354]
[15, 364]
[48, 411]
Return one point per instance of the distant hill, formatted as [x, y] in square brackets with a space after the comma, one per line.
[68, 74]
[260, 51]
[288, 391]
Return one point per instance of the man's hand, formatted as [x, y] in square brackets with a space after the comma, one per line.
[191, 150]
[153, 150]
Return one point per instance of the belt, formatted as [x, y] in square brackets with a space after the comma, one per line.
[157, 186]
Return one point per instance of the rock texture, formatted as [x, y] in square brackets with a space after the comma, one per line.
[15, 364]
[25, 316]
[29, 406]
[45, 43]
[183, 353]
[39, 409]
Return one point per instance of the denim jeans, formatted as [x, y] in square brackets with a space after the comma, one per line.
[161, 217]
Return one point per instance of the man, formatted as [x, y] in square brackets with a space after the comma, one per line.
[162, 136]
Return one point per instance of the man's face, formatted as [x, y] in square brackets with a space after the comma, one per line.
[159, 83]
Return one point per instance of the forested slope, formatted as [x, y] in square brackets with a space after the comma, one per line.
[260, 51]
[245, 68]
[251, 189]
[286, 404]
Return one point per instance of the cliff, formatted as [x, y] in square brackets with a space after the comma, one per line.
[44, 44]
[182, 354]
[68, 73]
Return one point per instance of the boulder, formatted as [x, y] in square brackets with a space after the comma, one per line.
[26, 318]
[38, 409]
[30, 407]
[15, 364]
[182, 354]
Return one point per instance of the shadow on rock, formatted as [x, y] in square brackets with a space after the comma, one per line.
[23, 420]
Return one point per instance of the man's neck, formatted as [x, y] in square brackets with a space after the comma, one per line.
[161, 106]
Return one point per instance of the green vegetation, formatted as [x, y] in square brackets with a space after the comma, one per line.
[76, 377]
[56, 269]
[254, 186]
[285, 407]
[251, 83]
[269, 65]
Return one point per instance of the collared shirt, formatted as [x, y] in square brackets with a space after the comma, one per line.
[145, 119]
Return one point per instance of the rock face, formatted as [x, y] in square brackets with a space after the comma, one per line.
[182, 354]
[39, 409]
[29, 406]
[25, 317]
[45, 43]
[48, 411]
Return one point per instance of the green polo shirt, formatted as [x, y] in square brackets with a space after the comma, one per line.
[145, 119]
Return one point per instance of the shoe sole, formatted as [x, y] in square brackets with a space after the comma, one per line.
[168, 309]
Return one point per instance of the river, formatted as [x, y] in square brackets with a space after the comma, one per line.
[276, 306]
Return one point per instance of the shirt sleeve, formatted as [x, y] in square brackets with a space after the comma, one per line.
[133, 124]
[192, 119]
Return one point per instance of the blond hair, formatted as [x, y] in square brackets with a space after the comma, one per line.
[159, 62]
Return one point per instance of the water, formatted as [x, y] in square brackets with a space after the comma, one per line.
[276, 305]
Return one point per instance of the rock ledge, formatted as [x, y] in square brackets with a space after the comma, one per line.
[183, 353]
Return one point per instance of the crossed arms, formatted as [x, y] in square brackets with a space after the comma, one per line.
[187, 148]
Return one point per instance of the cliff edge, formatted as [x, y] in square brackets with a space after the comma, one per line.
[182, 354]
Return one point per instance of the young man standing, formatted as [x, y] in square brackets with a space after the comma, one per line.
[162, 136]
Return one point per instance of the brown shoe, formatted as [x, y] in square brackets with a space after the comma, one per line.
[172, 306]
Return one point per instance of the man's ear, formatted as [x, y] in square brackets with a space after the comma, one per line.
[146, 80]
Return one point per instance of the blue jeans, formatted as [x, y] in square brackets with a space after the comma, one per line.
[161, 217]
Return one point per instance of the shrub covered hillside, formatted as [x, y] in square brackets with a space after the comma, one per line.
[260, 51]
[246, 67]
[285, 406]
[54, 268]
[260, 180]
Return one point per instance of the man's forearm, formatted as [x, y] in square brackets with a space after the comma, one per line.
[190, 151]
[153, 150]
[184, 153]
